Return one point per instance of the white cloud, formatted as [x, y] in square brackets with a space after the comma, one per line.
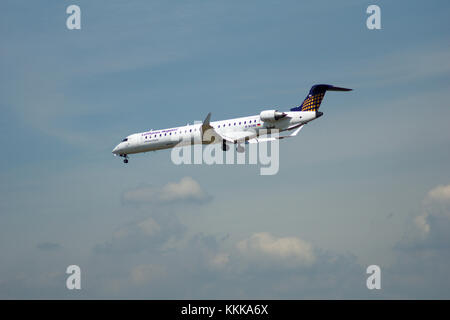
[149, 227]
[422, 223]
[436, 205]
[440, 193]
[264, 245]
[187, 189]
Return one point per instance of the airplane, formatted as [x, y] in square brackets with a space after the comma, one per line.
[236, 131]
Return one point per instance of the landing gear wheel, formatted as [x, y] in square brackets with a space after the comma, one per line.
[225, 147]
[125, 160]
[240, 149]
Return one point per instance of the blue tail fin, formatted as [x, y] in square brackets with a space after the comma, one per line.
[314, 99]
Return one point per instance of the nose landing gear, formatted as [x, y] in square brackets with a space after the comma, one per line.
[125, 160]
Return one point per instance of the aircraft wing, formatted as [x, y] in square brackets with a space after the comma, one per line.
[239, 136]
[293, 134]
[232, 137]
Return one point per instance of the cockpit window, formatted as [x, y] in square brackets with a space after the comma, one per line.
[126, 139]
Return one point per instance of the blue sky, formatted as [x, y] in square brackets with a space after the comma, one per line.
[365, 184]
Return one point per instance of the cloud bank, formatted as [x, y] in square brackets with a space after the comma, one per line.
[186, 190]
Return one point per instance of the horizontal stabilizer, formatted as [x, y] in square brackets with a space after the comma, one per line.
[333, 88]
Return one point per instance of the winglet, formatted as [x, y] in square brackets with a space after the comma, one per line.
[206, 121]
[206, 125]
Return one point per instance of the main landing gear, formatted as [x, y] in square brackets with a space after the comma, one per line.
[225, 147]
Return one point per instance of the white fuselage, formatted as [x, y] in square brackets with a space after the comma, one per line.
[168, 138]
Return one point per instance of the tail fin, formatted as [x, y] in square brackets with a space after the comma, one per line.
[314, 99]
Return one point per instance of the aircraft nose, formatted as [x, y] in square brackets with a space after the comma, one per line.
[115, 149]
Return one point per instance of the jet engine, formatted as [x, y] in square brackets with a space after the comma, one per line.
[271, 115]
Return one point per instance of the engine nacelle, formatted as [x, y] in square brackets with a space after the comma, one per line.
[271, 115]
